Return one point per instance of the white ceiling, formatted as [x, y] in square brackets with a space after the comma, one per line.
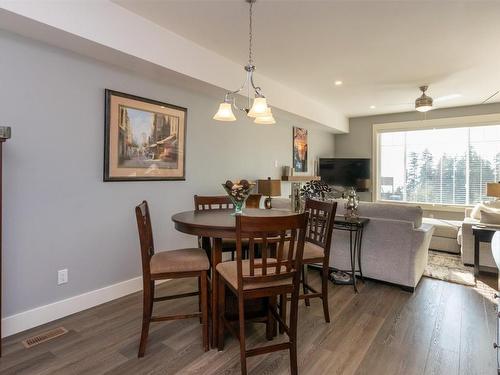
[381, 50]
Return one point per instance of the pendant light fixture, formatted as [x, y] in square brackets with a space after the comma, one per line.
[423, 103]
[259, 110]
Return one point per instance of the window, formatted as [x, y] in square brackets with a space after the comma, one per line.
[448, 166]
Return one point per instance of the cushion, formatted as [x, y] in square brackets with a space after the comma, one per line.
[183, 260]
[228, 271]
[444, 228]
[488, 217]
[490, 206]
[311, 251]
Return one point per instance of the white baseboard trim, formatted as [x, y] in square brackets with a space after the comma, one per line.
[53, 311]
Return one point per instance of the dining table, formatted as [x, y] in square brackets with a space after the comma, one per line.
[212, 226]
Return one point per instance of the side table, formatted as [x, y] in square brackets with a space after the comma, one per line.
[355, 227]
[482, 233]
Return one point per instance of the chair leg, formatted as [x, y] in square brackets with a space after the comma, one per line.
[204, 307]
[221, 307]
[304, 282]
[147, 310]
[241, 316]
[200, 297]
[324, 292]
[271, 322]
[294, 307]
[283, 302]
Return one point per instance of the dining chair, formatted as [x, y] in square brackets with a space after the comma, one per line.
[253, 201]
[316, 251]
[172, 264]
[222, 202]
[263, 277]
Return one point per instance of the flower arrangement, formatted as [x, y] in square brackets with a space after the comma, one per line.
[315, 189]
[238, 192]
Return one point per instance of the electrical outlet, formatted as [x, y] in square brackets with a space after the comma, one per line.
[62, 276]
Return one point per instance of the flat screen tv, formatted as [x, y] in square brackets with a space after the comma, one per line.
[346, 172]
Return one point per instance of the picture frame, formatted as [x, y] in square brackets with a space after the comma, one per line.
[144, 139]
[300, 149]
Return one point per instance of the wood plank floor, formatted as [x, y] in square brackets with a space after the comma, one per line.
[442, 328]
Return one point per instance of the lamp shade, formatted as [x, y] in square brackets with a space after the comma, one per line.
[225, 113]
[270, 188]
[259, 107]
[266, 119]
[493, 189]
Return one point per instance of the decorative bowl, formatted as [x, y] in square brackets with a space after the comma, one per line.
[238, 192]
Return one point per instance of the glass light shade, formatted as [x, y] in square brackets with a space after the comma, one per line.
[225, 113]
[266, 119]
[424, 108]
[259, 107]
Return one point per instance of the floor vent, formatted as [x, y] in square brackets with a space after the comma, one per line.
[45, 336]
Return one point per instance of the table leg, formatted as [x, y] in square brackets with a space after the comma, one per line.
[360, 231]
[353, 247]
[216, 258]
[476, 255]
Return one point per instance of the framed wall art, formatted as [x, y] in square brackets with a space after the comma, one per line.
[145, 140]
[299, 149]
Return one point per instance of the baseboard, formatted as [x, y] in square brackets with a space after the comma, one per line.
[48, 313]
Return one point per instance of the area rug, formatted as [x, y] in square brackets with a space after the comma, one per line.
[449, 267]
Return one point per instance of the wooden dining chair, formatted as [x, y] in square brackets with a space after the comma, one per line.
[263, 277]
[316, 251]
[172, 264]
[253, 201]
[222, 202]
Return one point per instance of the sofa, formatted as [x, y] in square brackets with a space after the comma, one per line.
[445, 234]
[466, 238]
[395, 243]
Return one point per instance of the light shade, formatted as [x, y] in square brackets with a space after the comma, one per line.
[423, 103]
[266, 119]
[493, 189]
[270, 188]
[259, 107]
[225, 113]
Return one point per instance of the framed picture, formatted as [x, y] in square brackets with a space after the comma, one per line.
[299, 149]
[145, 140]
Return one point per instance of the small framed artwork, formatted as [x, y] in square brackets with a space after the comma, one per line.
[145, 140]
[299, 149]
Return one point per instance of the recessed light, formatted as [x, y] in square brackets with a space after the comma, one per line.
[338, 83]
[372, 107]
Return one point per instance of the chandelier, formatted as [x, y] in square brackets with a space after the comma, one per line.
[259, 110]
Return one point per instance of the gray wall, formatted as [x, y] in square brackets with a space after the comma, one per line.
[358, 142]
[57, 211]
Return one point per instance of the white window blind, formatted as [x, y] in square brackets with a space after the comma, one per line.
[449, 166]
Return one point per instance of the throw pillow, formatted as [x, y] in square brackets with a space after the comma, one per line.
[488, 217]
[476, 211]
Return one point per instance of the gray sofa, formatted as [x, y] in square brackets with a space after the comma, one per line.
[395, 243]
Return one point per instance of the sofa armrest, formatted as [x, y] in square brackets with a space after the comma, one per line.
[468, 211]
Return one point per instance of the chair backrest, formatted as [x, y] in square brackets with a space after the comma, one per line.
[271, 233]
[253, 201]
[217, 202]
[320, 223]
[145, 235]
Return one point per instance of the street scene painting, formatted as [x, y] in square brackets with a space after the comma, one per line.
[299, 149]
[145, 139]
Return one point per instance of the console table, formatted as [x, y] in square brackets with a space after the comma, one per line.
[355, 227]
[482, 233]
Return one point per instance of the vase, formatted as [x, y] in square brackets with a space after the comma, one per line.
[238, 195]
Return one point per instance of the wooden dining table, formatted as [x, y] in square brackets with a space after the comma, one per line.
[217, 225]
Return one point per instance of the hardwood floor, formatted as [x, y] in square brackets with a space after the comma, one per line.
[442, 328]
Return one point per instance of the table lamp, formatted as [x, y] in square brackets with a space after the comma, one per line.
[270, 188]
[493, 190]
